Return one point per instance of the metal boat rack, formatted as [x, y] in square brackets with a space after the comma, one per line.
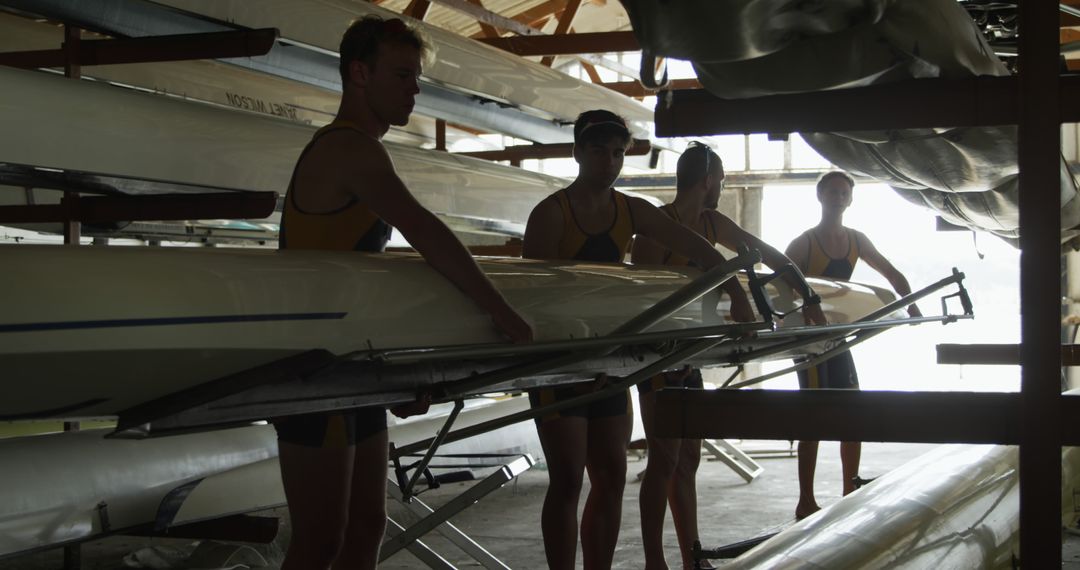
[866, 327]
[428, 519]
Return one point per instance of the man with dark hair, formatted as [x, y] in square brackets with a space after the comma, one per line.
[345, 195]
[831, 250]
[590, 221]
[671, 472]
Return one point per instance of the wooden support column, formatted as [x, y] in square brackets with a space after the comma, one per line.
[72, 69]
[440, 134]
[72, 233]
[1040, 290]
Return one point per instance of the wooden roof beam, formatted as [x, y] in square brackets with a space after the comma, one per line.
[487, 30]
[485, 16]
[107, 209]
[417, 9]
[537, 16]
[590, 69]
[1069, 13]
[568, 44]
[565, 20]
[180, 47]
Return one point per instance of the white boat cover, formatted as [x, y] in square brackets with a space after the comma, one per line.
[750, 48]
[957, 506]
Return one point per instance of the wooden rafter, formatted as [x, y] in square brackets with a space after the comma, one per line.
[1068, 19]
[417, 9]
[486, 29]
[107, 209]
[506, 24]
[537, 16]
[565, 21]
[590, 69]
[485, 16]
[568, 44]
[465, 129]
[181, 47]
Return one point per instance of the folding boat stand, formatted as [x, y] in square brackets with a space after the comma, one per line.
[428, 519]
[729, 454]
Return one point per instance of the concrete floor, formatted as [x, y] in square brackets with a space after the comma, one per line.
[506, 522]
[730, 510]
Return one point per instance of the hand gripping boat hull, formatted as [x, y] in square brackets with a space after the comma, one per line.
[88, 332]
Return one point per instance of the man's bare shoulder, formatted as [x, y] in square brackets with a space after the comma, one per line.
[637, 202]
[720, 221]
[350, 149]
[547, 209]
[803, 237]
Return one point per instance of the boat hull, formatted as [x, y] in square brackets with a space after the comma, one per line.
[53, 486]
[90, 332]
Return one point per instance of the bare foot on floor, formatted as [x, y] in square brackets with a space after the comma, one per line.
[803, 511]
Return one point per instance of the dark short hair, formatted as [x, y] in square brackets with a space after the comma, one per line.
[835, 174]
[694, 164]
[365, 35]
[600, 126]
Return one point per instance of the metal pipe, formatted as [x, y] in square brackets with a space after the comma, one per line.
[956, 277]
[1069, 10]
[844, 347]
[420, 466]
[488, 350]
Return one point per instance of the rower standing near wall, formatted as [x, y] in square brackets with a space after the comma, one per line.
[830, 249]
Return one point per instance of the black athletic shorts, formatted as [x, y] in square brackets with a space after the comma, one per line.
[837, 373]
[673, 379]
[609, 407]
[335, 429]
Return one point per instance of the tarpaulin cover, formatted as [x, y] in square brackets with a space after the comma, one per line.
[750, 48]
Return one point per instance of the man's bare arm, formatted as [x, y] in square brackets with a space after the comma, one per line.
[652, 223]
[732, 236]
[371, 178]
[646, 251]
[797, 252]
[879, 263]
